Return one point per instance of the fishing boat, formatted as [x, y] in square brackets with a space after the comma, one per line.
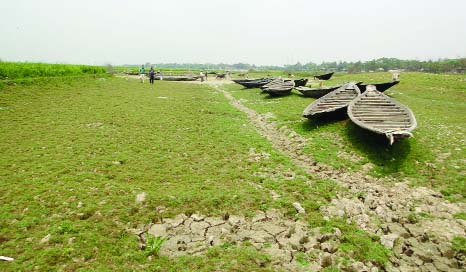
[177, 78]
[253, 83]
[381, 87]
[274, 82]
[334, 101]
[324, 76]
[278, 87]
[318, 92]
[300, 82]
[381, 114]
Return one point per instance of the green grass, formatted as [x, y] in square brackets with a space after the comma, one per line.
[459, 244]
[434, 157]
[21, 70]
[358, 244]
[75, 152]
[461, 215]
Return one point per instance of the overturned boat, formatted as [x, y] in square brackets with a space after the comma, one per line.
[381, 87]
[334, 101]
[381, 114]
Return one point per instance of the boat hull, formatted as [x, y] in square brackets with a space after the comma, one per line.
[324, 76]
[381, 87]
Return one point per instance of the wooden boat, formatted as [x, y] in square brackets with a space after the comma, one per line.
[324, 76]
[335, 101]
[273, 83]
[177, 78]
[278, 87]
[300, 82]
[318, 92]
[253, 83]
[381, 87]
[381, 114]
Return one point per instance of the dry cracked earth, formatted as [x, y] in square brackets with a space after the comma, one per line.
[385, 209]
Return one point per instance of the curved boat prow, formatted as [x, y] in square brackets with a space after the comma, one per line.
[396, 135]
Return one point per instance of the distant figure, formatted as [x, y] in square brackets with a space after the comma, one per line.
[396, 76]
[206, 73]
[151, 75]
[201, 74]
[142, 74]
[159, 74]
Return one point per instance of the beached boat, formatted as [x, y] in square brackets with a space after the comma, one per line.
[300, 82]
[177, 78]
[324, 76]
[334, 101]
[253, 83]
[273, 82]
[381, 114]
[316, 92]
[381, 87]
[278, 87]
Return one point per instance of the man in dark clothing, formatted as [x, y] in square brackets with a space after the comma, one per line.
[151, 75]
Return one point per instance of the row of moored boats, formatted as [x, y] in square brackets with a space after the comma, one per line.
[365, 104]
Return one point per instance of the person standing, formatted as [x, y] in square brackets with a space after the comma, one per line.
[142, 74]
[202, 76]
[395, 75]
[151, 75]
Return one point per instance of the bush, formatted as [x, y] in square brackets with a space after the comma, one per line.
[20, 70]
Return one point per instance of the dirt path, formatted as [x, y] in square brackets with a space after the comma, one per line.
[416, 222]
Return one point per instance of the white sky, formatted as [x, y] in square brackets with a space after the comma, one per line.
[263, 32]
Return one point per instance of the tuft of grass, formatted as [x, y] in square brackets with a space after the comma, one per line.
[302, 259]
[459, 244]
[153, 245]
[357, 243]
[66, 227]
[460, 215]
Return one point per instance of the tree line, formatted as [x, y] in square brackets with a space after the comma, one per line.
[381, 64]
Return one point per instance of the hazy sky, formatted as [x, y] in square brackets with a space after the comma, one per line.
[213, 31]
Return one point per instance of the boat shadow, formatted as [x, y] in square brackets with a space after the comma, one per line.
[389, 158]
[324, 120]
[268, 96]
